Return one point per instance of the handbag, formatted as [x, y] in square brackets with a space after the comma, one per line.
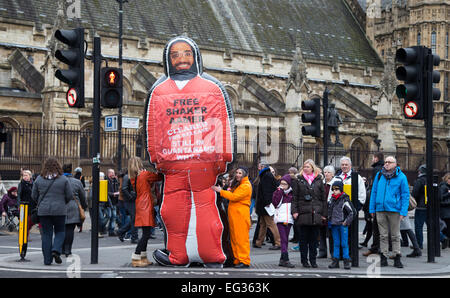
[34, 214]
[412, 203]
[81, 210]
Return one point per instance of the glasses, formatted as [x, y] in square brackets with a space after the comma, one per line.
[175, 55]
[387, 161]
[283, 183]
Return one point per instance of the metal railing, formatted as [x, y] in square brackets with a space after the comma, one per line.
[29, 147]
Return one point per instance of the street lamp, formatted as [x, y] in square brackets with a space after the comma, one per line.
[119, 124]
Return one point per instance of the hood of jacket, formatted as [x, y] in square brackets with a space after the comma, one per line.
[169, 69]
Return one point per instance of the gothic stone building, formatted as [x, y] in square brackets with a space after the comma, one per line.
[270, 55]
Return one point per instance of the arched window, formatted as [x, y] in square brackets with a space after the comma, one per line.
[357, 153]
[433, 42]
[86, 142]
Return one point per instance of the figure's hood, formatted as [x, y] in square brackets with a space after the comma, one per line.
[169, 69]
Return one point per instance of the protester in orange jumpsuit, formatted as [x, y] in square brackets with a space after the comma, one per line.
[239, 216]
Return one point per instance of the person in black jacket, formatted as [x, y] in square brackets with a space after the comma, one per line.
[377, 165]
[113, 200]
[309, 209]
[267, 185]
[129, 203]
[444, 191]
[420, 215]
[24, 196]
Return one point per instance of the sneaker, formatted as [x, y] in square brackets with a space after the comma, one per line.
[295, 248]
[127, 238]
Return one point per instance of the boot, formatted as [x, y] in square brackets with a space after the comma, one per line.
[415, 253]
[384, 261]
[334, 263]
[347, 264]
[286, 263]
[136, 261]
[144, 258]
[397, 263]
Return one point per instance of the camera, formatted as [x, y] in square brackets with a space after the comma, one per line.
[308, 198]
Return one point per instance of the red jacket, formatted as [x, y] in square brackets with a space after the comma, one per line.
[144, 199]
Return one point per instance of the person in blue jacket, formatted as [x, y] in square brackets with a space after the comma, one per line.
[389, 200]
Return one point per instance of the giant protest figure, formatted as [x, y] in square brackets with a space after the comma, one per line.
[190, 139]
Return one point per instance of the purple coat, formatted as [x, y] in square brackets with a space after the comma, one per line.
[7, 201]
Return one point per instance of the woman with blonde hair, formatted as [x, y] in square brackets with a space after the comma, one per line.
[142, 181]
[309, 209]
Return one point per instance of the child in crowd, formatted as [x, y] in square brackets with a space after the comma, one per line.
[282, 199]
[340, 216]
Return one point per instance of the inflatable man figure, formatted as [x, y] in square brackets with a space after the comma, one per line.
[190, 139]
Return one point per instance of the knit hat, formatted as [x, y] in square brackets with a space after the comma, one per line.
[339, 184]
[287, 178]
[12, 189]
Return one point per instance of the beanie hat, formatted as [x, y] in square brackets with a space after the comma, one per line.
[287, 178]
[12, 189]
[339, 184]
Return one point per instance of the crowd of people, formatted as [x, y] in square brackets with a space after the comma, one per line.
[312, 202]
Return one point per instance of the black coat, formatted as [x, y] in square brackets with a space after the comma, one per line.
[310, 202]
[445, 200]
[267, 185]
[418, 191]
[376, 167]
[24, 195]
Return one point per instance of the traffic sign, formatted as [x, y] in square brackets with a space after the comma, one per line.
[72, 97]
[410, 109]
[111, 123]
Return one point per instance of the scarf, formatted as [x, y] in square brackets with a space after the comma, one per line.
[337, 196]
[309, 178]
[388, 175]
[287, 190]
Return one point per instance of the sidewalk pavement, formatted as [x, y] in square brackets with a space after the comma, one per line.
[115, 255]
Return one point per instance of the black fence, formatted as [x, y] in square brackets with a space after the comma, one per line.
[29, 147]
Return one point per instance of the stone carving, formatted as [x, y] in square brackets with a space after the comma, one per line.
[334, 120]
[388, 81]
[297, 74]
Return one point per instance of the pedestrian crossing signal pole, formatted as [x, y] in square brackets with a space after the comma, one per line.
[431, 94]
[23, 230]
[96, 152]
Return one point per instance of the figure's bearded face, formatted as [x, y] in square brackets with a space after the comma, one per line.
[181, 56]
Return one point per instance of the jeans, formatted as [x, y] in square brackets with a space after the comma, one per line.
[420, 218]
[50, 225]
[68, 239]
[102, 218]
[340, 239]
[124, 217]
[112, 215]
[130, 208]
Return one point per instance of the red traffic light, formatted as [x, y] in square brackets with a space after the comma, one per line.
[112, 78]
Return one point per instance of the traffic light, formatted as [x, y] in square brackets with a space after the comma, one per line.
[74, 57]
[436, 77]
[313, 117]
[412, 73]
[112, 87]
